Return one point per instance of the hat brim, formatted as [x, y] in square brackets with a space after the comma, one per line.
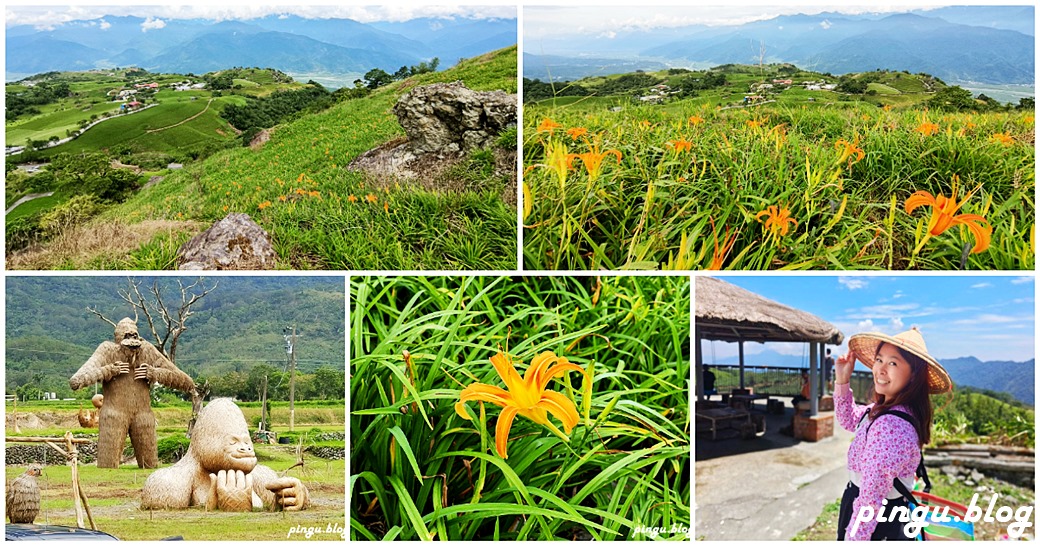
[865, 347]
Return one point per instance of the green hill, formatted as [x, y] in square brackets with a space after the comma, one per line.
[319, 214]
[236, 327]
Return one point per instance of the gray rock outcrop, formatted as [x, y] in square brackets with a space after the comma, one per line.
[442, 122]
[234, 243]
[450, 117]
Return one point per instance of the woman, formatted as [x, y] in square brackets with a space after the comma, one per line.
[886, 446]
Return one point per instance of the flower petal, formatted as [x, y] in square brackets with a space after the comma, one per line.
[561, 407]
[505, 422]
[563, 367]
[506, 370]
[919, 199]
[482, 393]
[982, 233]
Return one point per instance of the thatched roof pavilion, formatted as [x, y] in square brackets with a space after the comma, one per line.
[725, 312]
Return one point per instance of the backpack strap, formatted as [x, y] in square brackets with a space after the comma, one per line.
[921, 472]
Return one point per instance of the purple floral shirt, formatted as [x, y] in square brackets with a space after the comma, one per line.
[890, 450]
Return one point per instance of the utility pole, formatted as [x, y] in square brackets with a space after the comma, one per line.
[291, 350]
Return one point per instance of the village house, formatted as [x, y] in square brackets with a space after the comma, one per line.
[783, 82]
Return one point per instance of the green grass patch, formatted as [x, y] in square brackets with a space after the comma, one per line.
[420, 471]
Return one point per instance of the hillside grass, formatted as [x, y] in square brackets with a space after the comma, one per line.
[298, 189]
[418, 471]
[676, 207]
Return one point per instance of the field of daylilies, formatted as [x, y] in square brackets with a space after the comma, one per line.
[835, 186]
[524, 408]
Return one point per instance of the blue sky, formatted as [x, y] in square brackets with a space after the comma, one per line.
[988, 317]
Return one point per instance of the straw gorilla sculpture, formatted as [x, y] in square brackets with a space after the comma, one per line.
[220, 470]
[127, 369]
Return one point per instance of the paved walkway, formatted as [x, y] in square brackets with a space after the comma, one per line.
[29, 197]
[769, 488]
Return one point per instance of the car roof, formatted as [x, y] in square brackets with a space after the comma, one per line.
[24, 531]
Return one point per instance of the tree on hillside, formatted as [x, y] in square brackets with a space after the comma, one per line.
[92, 174]
[952, 99]
[376, 78]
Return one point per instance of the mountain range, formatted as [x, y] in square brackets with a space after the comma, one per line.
[290, 43]
[988, 44]
[1014, 378]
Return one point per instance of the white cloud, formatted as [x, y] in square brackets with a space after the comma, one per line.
[886, 311]
[1022, 280]
[48, 17]
[610, 35]
[105, 25]
[152, 23]
[982, 285]
[852, 283]
[896, 323]
[825, 24]
[898, 294]
[866, 325]
[990, 318]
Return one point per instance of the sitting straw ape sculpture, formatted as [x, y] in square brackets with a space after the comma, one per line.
[220, 470]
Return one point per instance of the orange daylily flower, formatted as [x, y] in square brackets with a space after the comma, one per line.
[719, 255]
[887, 107]
[777, 220]
[547, 126]
[680, 145]
[525, 396]
[754, 123]
[927, 128]
[372, 198]
[944, 215]
[593, 160]
[645, 124]
[264, 205]
[576, 132]
[848, 149]
[1003, 138]
[352, 198]
[696, 120]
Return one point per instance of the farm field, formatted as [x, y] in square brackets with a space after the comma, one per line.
[808, 180]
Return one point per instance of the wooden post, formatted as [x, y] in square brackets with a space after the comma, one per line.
[77, 498]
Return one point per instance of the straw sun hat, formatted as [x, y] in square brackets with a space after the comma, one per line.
[865, 347]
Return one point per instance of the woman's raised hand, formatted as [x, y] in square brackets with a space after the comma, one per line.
[843, 368]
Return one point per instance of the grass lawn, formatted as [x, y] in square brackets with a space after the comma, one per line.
[421, 471]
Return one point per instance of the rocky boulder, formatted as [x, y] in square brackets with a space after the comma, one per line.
[450, 117]
[234, 243]
[442, 121]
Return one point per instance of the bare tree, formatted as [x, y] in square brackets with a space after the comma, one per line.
[165, 323]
